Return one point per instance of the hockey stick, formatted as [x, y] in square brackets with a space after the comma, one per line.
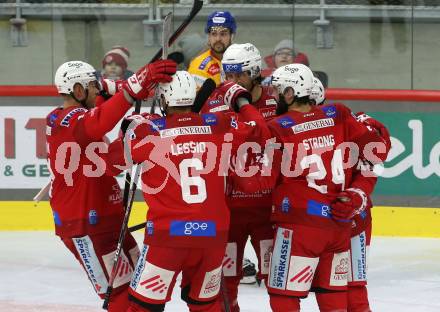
[132, 190]
[165, 45]
[117, 256]
[128, 202]
[197, 6]
[205, 91]
[40, 195]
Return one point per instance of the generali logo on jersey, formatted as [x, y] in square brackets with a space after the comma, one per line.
[312, 125]
[173, 132]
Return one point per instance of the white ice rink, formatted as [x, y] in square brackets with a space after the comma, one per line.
[38, 274]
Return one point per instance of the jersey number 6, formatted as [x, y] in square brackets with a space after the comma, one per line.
[186, 181]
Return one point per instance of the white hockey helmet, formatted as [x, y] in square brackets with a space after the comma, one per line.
[181, 91]
[239, 58]
[71, 73]
[296, 76]
[318, 91]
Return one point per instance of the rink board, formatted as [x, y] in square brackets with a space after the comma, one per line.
[387, 221]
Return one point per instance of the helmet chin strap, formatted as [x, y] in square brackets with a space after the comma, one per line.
[83, 101]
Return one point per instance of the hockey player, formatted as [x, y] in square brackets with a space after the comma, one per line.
[311, 241]
[250, 212]
[364, 181]
[220, 28]
[184, 187]
[86, 204]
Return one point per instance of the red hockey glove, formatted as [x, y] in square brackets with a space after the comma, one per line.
[126, 121]
[110, 86]
[374, 124]
[349, 203]
[232, 93]
[146, 78]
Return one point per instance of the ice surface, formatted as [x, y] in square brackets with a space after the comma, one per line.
[37, 273]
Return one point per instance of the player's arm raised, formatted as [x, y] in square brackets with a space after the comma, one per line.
[100, 120]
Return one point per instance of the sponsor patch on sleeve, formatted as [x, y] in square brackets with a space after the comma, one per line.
[205, 62]
[330, 111]
[214, 69]
[285, 122]
[209, 119]
[158, 124]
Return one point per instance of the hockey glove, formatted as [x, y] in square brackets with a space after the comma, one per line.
[136, 118]
[376, 125]
[109, 87]
[139, 85]
[349, 203]
[233, 92]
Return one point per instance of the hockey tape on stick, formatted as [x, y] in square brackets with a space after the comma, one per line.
[42, 193]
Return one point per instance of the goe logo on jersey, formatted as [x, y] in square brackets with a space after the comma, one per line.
[318, 209]
[193, 228]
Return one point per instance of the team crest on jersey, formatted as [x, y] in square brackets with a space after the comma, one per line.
[285, 122]
[205, 62]
[329, 111]
[209, 119]
[158, 124]
[214, 69]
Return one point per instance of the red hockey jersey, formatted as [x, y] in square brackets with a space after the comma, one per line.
[185, 159]
[266, 105]
[315, 165]
[84, 200]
